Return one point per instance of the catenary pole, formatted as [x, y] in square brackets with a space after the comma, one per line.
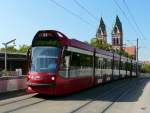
[137, 58]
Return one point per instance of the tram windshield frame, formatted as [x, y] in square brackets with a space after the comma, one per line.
[44, 59]
[44, 54]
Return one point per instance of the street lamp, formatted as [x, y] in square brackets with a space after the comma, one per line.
[6, 44]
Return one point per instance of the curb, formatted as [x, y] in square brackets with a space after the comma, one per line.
[12, 94]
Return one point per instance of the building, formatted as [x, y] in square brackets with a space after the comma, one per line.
[117, 35]
[131, 51]
[146, 62]
[101, 34]
[14, 61]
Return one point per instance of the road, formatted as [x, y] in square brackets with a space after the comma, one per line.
[123, 96]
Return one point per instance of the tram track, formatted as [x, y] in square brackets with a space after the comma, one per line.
[127, 94]
[24, 103]
[123, 87]
[34, 100]
[107, 105]
[29, 96]
[16, 99]
[123, 93]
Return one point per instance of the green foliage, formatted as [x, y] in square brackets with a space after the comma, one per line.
[11, 49]
[145, 68]
[123, 53]
[23, 48]
[86, 42]
[95, 43]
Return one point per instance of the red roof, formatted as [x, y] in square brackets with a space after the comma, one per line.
[130, 50]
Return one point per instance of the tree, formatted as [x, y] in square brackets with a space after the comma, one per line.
[11, 49]
[86, 42]
[145, 68]
[23, 48]
[101, 45]
[97, 44]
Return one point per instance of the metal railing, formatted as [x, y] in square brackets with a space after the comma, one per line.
[9, 73]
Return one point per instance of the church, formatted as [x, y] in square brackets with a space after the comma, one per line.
[116, 37]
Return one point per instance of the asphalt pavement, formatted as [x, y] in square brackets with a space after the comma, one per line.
[12, 94]
[123, 96]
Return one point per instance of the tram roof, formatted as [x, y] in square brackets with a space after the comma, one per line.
[64, 40]
[78, 44]
[104, 52]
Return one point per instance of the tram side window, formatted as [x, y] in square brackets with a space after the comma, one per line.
[105, 63]
[128, 66]
[81, 65]
[75, 60]
[125, 66]
[109, 64]
[122, 65]
[134, 67]
[65, 64]
[112, 63]
[96, 63]
[116, 64]
[99, 63]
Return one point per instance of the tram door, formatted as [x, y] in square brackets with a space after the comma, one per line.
[116, 69]
[100, 70]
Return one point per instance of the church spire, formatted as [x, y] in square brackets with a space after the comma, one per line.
[117, 34]
[101, 34]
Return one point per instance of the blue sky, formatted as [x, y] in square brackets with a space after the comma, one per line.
[21, 19]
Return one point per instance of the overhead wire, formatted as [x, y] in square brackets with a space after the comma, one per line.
[72, 13]
[123, 12]
[143, 38]
[86, 10]
[95, 18]
[139, 33]
[133, 19]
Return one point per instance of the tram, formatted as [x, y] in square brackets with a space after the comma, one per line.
[59, 65]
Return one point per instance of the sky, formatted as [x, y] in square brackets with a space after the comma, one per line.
[21, 19]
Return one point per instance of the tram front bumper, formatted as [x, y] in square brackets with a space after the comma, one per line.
[42, 85]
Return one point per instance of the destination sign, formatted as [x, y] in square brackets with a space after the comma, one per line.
[45, 42]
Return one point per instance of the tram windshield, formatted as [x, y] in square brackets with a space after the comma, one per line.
[44, 59]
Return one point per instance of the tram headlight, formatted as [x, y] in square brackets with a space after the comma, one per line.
[28, 77]
[52, 78]
[35, 77]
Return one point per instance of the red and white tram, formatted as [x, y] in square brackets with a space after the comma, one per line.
[59, 65]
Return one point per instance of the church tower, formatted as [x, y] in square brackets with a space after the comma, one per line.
[117, 35]
[101, 34]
